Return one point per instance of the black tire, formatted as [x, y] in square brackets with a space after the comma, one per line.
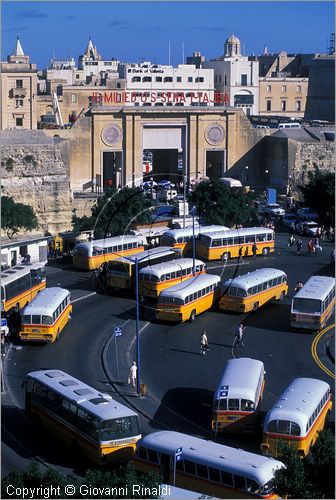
[192, 316]
[225, 256]
[265, 251]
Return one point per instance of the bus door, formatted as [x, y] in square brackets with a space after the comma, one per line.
[165, 468]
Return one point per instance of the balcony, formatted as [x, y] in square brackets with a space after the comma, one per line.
[18, 92]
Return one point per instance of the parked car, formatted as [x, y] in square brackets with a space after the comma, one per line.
[289, 219]
[307, 214]
[307, 228]
[273, 209]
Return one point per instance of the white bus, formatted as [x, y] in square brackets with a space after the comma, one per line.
[186, 300]
[154, 279]
[313, 305]
[297, 417]
[88, 421]
[20, 284]
[204, 466]
[92, 254]
[46, 315]
[238, 396]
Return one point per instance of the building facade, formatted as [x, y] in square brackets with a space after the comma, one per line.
[283, 96]
[18, 91]
[236, 77]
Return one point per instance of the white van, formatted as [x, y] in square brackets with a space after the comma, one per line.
[289, 125]
[228, 181]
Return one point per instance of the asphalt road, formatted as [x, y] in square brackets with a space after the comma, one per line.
[180, 382]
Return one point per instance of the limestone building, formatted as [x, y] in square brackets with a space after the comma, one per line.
[237, 77]
[18, 91]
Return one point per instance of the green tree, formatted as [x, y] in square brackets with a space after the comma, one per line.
[114, 211]
[319, 194]
[16, 217]
[220, 204]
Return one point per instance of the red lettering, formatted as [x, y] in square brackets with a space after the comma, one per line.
[108, 97]
[205, 97]
[153, 96]
[170, 97]
[126, 96]
[133, 96]
[163, 97]
[192, 97]
[143, 97]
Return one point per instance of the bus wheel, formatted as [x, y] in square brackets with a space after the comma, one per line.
[265, 251]
[192, 316]
[225, 256]
[255, 306]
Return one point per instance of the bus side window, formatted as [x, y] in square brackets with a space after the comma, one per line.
[189, 467]
[202, 471]
[36, 319]
[180, 465]
[252, 486]
[153, 456]
[214, 475]
[233, 404]
[240, 482]
[295, 429]
[227, 478]
[272, 426]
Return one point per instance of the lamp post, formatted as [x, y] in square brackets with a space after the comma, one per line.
[246, 175]
[266, 176]
[192, 211]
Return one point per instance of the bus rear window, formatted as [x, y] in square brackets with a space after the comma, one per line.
[307, 305]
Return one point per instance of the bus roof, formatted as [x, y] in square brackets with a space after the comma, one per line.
[188, 231]
[247, 280]
[298, 402]
[46, 301]
[241, 376]
[237, 232]
[169, 267]
[235, 460]
[317, 287]
[108, 242]
[95, 402]
[16, 272]
[147, 254]
[181, 290]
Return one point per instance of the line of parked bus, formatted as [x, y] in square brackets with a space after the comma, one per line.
[106, 431]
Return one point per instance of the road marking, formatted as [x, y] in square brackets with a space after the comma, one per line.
[314, 350]
[85, 297]
[228, 265]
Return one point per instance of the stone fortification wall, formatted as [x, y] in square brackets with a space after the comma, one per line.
[33, 173]
[309, 155]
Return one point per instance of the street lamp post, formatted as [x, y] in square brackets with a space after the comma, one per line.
[266, 176]
[246, 175]
[137, 333]
[193, 210]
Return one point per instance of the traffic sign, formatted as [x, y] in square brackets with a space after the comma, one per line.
[117, 331]
[3, 322]
[178, 454]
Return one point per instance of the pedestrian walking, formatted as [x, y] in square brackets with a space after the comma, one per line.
[298, 287]
[298, 245]
[254, 250]
[310, 247]
[238, 339]
[133, 374]
[291, 241]
[240, 254]
[204, 343]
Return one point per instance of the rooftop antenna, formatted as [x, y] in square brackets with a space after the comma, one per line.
[168, 53]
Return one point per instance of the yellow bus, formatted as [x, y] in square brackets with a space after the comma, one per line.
[313, 305]
[20, 284]
[298, 416]
[226, 244]
[154, 279]
[45, 317]
[92, 254]
[186, 300]
[205, 466]
[237, 399]
[182, 238]
[86, 420]
[120, 273]
[251, 290]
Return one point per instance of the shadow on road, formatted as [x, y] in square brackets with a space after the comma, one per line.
[278, 314]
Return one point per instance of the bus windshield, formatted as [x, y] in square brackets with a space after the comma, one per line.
[119, 428]
[307, 305]
[119, 267]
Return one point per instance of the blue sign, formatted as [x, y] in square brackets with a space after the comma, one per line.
[3, 322]
[178, 454]
[117, 331]
[271, 195]
[224, 390]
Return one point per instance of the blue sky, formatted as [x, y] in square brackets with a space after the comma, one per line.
[135, 31]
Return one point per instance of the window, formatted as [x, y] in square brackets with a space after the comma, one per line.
[202, 471]
[298, 88]
[27, 319]
[168, 79]
[268, 105]
[283, 426]
[147, 79]
[190, 79]
[19, 121]
[179, 79]
[243, 79]
[225, 80]
[268, 88]
[283, 105]
[239, 482]
[19, 103]
[36, 319]
[73, 97]
[47, 320]
[19, 84]
[189, 468]
[283, 88]
[158, 78]
[214, 475]
[136, 79]
[199, 79]
[233, 404]
[227, 478]
[298, 106]
[153, 456]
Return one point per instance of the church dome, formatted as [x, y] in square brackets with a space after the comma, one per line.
[233, 39]
[232, 47]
